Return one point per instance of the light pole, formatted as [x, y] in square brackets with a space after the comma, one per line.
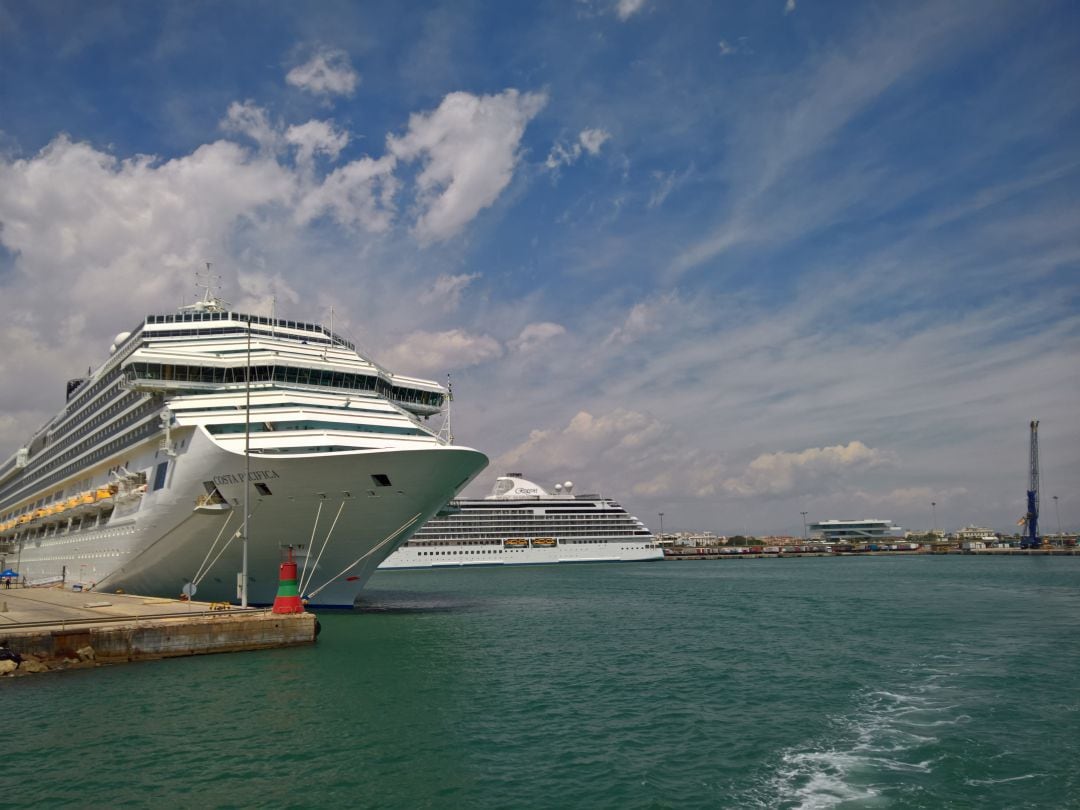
[933, 512]
[803, 525]
[661, 526]
[1061, 540]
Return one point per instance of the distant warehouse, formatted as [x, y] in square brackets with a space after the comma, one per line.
[855, 531]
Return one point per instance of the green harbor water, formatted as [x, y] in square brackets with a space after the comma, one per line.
[892, 682]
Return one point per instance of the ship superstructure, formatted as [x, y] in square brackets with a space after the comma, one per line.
[139, 483]
[522, 523]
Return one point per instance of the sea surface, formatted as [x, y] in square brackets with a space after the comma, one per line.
[887, 682]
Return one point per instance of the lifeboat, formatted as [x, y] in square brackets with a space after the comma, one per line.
[84, 502]
[103, 496]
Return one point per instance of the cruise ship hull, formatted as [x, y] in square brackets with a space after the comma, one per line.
[521, 523]
[466, 557]
[341, 513]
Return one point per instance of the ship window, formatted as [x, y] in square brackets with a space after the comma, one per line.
[263, 489]
[159, 475]
[381, 480]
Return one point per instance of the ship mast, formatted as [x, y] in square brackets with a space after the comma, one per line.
[247, 470]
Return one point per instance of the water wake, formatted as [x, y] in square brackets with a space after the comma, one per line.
[887, 743]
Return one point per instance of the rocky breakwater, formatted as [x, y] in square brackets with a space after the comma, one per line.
[14, 664]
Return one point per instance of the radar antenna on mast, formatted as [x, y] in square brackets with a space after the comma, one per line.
[209, 283]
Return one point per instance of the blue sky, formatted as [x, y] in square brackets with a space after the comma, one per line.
[727, 261]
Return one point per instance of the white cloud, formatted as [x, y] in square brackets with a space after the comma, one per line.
[816, 467]
[316, 138]
[429, 352]
[447, 290]
[249, 119]
[469, 148]
[327, 73]
[588, 140]
[535, 336]
[592, 139]
[625, 9]
[99, 242]
[645, 318]
[789, 6]
[359, 194]
[620, 433]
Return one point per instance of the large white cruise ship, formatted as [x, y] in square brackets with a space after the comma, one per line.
[140, 482]
[520, 523]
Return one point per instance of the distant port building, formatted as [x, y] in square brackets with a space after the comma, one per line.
[970, 534]
[854, 531]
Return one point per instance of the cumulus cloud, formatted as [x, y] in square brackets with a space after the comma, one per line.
[620, 434]
[535, 335]
[358, 195]
[426, 352]
[327, 73]
[814, 468]
[588, 140]
[71, 208]
[447, 290]
[316, 138]
[249, 119]
[99, 242]
[469, 148]
[625, 9]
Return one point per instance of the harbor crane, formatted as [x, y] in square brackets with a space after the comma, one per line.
[1031, 537]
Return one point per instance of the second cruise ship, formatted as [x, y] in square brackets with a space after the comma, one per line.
[521, 523]
[142, 481]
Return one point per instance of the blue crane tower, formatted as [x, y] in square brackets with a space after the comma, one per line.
[1031, 519]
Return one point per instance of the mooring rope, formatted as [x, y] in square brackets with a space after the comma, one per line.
[365, 555]
[311, 542]
[213, 562]
[195, 580]
[321, 550]
[199, 577]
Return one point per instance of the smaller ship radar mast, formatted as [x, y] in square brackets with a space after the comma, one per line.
[208, 282]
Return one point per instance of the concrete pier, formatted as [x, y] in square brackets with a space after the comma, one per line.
[53, 628]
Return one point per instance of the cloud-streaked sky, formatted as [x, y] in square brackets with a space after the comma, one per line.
[727, 261]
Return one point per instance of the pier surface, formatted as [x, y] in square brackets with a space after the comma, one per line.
[57, 627]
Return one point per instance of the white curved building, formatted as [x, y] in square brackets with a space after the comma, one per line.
[866, 530]
[139, 482]
[521, 523]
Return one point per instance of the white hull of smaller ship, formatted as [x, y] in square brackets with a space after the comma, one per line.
[468, 556]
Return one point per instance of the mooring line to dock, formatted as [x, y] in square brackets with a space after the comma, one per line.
[366, 554]
[321, 550]
[311, 542]
[195, 580]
